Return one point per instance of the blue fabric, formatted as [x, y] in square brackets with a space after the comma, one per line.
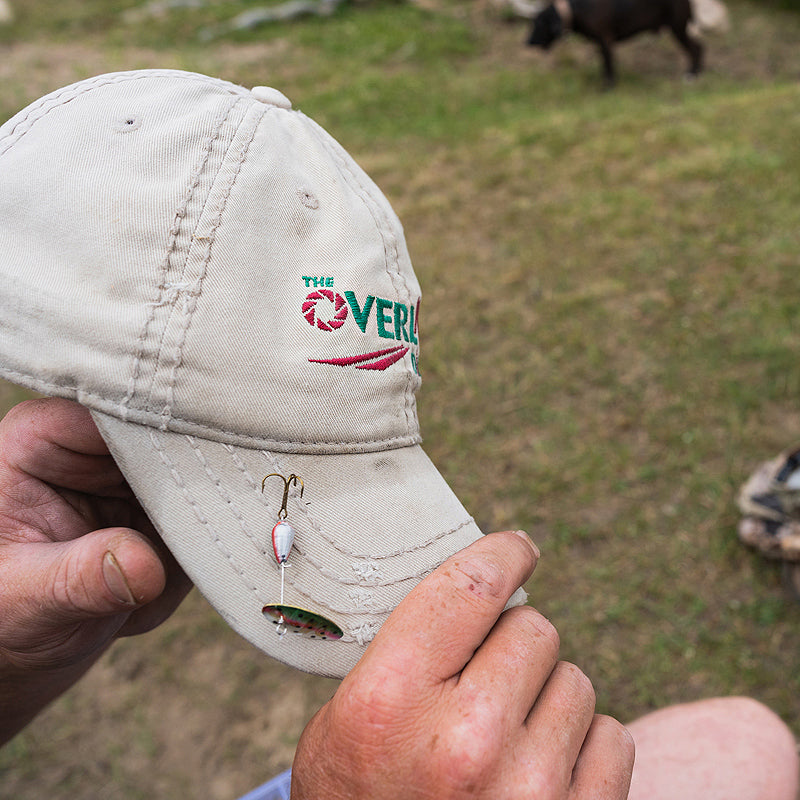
[276, 789]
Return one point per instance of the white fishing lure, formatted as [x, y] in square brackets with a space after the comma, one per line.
[283, 534]
[282, 541]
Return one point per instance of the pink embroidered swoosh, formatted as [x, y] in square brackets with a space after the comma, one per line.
[385, 362]
[380, 359]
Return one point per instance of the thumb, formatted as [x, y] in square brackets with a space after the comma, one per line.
[62, 605]
[102, 573]
[63, 602]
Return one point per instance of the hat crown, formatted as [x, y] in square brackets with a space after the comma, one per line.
[199, 258]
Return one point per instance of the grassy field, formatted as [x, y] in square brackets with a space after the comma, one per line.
[610, 345]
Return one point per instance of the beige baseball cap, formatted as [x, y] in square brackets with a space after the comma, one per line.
[211, 274]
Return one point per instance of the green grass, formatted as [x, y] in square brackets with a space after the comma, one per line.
[610, 330]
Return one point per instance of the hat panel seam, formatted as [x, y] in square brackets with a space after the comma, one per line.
[391, 251]
[72, 92]
[237, 513]
[198, 512]
[164, 294]
[242, 467]
[103, 405]
[253, 120]
[325, 572]
[383, 223]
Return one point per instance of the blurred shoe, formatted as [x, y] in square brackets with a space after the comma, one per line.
[770, 502]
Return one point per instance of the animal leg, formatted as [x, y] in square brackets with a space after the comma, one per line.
[692, 47]
[609, 71]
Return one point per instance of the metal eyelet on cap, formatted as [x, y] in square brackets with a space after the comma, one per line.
[271, 97]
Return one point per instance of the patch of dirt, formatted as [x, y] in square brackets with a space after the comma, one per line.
[29, 70]
[189, 710]
[44, 69]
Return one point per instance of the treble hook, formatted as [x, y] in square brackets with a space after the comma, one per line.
[287, 482]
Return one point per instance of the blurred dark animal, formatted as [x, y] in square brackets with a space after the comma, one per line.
[609, 21]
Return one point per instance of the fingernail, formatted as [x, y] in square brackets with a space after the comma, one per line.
[530, 541]
[115, 580]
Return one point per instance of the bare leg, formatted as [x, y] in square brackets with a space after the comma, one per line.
[720, 749]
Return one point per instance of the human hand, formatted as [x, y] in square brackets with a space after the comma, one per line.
[456, 698]
[69, 585]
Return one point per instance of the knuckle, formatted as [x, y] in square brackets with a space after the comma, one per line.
[527, 634]
[537, 625]
[375, 700]
[471, 748]
[69, 588]
[62, 592]
[580, 681]
[573, 687]
[616, 734]
[479, 577]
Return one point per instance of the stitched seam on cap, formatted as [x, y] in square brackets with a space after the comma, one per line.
[180, 213]
[166, 412]
[226, 498]
[382, 223]
[391, 250]
[181, 484]
[195, 287]
[103, 405]
[303, 511]
[69, 93]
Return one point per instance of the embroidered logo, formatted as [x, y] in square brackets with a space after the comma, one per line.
[309, 310]
[380, 359]
[327, 310]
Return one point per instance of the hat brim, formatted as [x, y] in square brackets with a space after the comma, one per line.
[368, 528]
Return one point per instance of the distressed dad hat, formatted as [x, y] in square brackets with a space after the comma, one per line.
[231, 296]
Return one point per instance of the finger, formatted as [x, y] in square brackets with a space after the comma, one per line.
[604, 766]
[56, 441]
[444, 619]
[103, 573]
[559, 721]
[511, 667]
